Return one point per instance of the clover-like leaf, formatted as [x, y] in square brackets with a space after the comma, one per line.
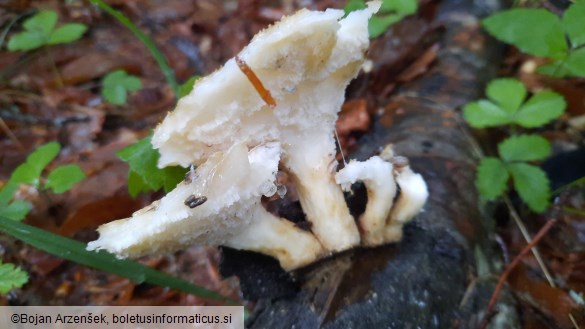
[540, 109]
[16, 210]
[575, 62]
[63, 178]
[505, 106]
[44, 21]
[507, 93]
[535, 31]
[117, 84]
[532, 185]
[30, 171]
[142, 159]
[11, 277]
[491, 178]
[484, 113]
[66, 33]
[524, 148]
[39, 30]
[26, 41]
[574, 23]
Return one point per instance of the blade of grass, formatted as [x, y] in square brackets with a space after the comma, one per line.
[146, 41]
[75, 251]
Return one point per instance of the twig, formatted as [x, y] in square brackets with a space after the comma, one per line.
[526, 236]
[510, 267]
[10, 134]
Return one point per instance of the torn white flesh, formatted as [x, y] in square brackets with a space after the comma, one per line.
[279, 238]
[413, 196]
[306, 61]
[377, 176]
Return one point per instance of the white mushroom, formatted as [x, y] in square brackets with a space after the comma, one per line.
[238, 134]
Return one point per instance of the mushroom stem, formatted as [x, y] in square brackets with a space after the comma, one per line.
[279, 238]
[413, 196]
[310, 164]
[377, 176]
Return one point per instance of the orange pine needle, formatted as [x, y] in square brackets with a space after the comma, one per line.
[263, 92]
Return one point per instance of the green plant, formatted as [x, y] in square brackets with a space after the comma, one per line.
[145, 40]
[144, 175]
[117, 84]
[75, 251]
[390, 12]
[11, 277]
[541, 33]
[59, 180]
[506, 105]
[39, 30]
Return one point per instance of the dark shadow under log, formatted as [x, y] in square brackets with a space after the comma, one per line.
[436, 277]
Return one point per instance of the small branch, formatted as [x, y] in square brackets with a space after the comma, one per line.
[527, 237]
[510, 267]
[10, 134]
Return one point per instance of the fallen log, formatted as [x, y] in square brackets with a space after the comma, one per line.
[436, 276]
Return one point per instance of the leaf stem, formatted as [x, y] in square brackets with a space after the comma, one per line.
[54, 67]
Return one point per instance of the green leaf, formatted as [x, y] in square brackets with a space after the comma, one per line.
[11, 277]
[7, 191]
[575, 63]
[116, 86]
[535, 31]
[574, 23]
[16, 210]
[491, 179]
[75, 251]
[186, 87]
[507, 93]
[136, 184]
[556, 69]
[400, 7]
[540, 109]
[532, 185]
[524, 148]
[67, 33]
[43, 21]
[63, 178]
[380, 24]
[353, 5]
[26, 41]
[143, 159]
[30, 171]
[484, 113]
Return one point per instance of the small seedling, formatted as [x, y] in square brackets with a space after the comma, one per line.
[11, 277]
[541, 33]
[391, 11]
[59, 180]
[506, 106]
[39, 30]
[117, 84]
